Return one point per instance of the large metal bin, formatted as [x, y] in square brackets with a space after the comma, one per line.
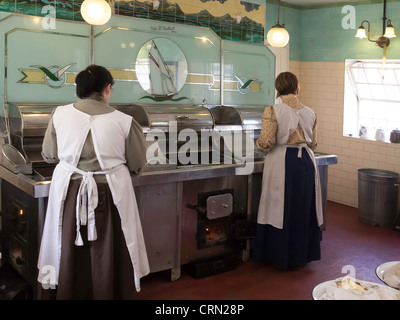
[378, 196]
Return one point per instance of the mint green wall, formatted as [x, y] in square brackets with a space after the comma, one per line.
[291, 17]
[316, 34]
[324, 39]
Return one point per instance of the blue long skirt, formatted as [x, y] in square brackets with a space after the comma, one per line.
[299, 241]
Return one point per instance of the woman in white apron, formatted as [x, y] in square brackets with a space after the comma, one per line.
[290, 211]
[92, 245]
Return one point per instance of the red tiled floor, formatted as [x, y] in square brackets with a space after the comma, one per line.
[346, 241]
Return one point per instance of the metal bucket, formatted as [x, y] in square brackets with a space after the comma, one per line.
[378, 196]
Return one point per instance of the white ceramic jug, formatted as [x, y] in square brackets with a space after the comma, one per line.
[380, 135]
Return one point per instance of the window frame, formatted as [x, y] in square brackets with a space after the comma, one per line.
[360, 103]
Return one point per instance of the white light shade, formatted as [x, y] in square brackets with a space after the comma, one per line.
[389, 32]
[361, 33]
[277, 36]
[96, 12]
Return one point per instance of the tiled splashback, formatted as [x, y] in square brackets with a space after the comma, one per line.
[229, 19]
[322, 89]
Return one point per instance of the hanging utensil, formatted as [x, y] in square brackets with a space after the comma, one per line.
[10, 153]
[6, 121]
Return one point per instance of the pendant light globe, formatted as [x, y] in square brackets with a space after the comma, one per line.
[278, 36]
[96, 12]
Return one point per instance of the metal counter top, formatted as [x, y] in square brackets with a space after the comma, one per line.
[37, 188]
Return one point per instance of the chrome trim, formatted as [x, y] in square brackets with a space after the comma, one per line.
[91, 46]
[222, 74]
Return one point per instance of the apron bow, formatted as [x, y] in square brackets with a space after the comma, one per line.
[86, 203]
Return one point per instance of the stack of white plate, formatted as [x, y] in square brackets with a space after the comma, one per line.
[347, 288]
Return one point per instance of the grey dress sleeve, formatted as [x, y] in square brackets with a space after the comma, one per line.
[135, 148]
[49, 145]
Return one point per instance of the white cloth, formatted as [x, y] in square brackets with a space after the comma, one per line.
[72, 127]
[271, 206]
[392, 276]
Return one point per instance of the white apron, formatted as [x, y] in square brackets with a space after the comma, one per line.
[271, 206]
[72, 127]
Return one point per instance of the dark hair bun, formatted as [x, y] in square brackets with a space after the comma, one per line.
[92, 80]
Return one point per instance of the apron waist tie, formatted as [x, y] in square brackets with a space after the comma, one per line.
[300, 147]
[86, 202]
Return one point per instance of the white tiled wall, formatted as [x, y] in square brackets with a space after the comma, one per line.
[322, 89]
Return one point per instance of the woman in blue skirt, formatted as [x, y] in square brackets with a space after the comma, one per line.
[290, 211]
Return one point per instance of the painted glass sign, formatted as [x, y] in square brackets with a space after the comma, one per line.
[53, 76]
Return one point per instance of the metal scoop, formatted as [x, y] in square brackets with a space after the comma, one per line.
[12, 158]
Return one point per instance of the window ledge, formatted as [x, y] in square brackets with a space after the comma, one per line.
[369, 139]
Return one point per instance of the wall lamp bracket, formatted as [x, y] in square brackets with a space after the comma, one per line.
[387, 31]
[381, 42]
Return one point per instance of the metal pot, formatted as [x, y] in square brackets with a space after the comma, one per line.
[395, 136]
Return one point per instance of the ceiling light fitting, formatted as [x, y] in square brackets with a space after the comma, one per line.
[278, 36]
